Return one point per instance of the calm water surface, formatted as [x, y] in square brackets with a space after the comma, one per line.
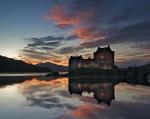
[47, 98]
[21, 74]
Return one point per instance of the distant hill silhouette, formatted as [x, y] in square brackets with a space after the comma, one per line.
[146, 66]
[12, 65]
[53, 66]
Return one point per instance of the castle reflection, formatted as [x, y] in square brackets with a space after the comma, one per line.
[103, 90]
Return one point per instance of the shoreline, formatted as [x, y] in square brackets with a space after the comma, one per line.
[18, 79]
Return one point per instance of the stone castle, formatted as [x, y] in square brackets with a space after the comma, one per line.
[103, 59]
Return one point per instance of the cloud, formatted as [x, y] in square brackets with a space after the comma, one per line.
[71, 37]
[84, 25]
[45, 41]
[87, 33]
[64, 18]
[70, 50]
[47, 49]
[129, 34]
[118, 18]
[49, 41]
[96, 15]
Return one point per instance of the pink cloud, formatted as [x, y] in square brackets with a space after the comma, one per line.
[64, 19]
[59, 16]
[86, 33]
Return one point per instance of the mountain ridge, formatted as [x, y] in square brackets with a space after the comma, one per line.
[53, 66]
[13, 65]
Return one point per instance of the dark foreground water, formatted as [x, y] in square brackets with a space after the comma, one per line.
[47, 98]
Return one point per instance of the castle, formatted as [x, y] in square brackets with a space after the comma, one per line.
[103, 59]
[102, 91]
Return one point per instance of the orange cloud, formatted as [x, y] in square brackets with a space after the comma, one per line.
[86, 33]
[81, 17]
[31, 60]
[86, 111]
[59, 16]
[64, 19]
[27, 86]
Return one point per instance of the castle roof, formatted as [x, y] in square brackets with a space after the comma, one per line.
[99, 50]
[76, 57]
[104, 49]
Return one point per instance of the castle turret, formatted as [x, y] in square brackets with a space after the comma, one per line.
[104, 57]
[75, 62]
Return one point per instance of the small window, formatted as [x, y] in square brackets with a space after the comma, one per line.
[102, 57]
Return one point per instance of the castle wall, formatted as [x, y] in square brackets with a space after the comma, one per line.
[103, 59]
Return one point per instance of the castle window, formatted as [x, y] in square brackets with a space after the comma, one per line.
[79, 65]
[102, 57]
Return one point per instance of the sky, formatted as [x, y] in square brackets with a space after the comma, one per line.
[53, 30]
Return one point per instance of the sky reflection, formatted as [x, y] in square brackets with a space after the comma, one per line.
[50, 99]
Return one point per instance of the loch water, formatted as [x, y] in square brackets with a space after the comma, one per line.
[72, 98]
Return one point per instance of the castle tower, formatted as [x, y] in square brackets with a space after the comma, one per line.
[75, 62]
[104, 58]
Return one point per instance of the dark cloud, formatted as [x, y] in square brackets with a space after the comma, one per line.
[129, 34]
[35, 42]
[69, 49]
[46, 48]
[51, 38]
[49, 48]
[71, 37]
[133, 62]
[49, 41]
[142, 45]
[45, 41]
[33, 56]
[30, 51]
[124, 15]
